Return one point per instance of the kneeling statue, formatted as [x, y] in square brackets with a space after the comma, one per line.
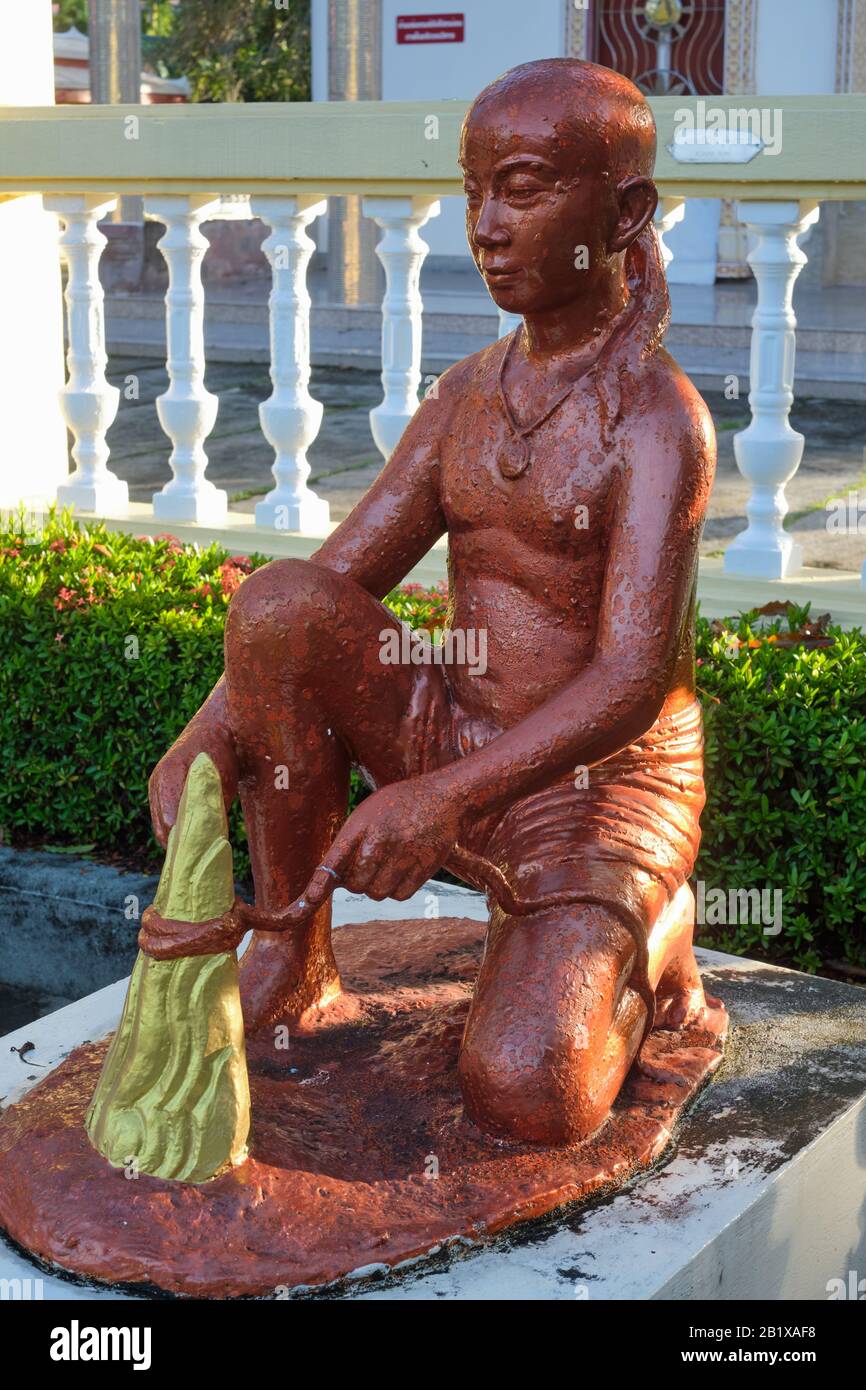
[427, 1098]
[570, 466]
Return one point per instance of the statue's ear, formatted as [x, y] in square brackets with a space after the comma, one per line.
[637, 197]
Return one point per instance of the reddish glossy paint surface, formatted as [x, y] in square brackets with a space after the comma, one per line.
[570, 466]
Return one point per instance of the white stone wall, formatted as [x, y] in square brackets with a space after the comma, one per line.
[34, 457]
[499, 35]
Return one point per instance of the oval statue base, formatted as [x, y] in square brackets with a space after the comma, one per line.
[360, 1157]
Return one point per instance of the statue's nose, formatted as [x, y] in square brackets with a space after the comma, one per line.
[489, 231]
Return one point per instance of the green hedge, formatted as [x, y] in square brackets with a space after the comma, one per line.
[109, 643]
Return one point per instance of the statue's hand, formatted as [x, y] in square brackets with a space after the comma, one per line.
[393, 841]
[164, 790]
[168, 777]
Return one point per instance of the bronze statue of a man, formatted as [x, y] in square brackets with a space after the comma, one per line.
[570, 465]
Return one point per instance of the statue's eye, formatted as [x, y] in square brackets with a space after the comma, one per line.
[523, 188]
[472, 191]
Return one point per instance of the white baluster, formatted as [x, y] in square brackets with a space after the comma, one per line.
[290, 418]
[88, 402]
[768, 451]
[402, 253]
[667, 214]
[187, 411]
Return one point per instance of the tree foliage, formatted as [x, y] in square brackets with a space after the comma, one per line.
[242, 50]
[230, 50]
[68, 13]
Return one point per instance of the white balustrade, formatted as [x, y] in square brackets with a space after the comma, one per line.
[768, 451]
[290, 418]
[401, 251]
[187, 412]
[88, 401]
[669, 212]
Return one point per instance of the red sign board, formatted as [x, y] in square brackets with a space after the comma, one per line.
[430, 28]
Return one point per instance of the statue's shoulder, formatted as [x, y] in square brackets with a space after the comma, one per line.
[478, 370]
[668, 395]
[668, 430]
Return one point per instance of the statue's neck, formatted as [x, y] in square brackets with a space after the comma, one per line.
[581, 325]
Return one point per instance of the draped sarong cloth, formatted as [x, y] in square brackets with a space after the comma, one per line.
[628, 838]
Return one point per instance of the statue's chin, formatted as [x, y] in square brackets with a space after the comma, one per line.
[507, 297]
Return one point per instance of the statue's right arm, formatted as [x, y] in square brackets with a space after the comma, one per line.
[208, 732]
[388, 532]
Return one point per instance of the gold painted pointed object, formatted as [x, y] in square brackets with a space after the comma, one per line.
[173, 1098]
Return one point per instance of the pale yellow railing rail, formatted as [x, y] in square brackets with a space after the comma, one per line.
[381, 148]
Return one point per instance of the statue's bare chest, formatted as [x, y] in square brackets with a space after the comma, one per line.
[565, 492]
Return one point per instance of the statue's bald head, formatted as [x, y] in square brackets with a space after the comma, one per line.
[592, 113]
[557, 157]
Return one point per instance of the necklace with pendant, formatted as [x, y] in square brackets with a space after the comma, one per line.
[515, 457]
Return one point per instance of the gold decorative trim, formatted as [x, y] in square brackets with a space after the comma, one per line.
[741, 18]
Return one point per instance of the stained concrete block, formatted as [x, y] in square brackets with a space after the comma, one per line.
[67, 925]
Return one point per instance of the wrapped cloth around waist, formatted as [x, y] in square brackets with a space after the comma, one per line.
[627, 829]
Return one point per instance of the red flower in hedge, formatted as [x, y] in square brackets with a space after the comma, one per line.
[65, 597]
[230, 577]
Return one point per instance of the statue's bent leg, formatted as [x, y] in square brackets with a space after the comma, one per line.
[558, 1017]
[556, 1023]
[553, 1027]
[307, 694]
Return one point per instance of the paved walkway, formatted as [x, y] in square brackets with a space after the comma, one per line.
[345, 460]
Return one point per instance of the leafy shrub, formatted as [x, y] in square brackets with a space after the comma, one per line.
[786, 784]
[234, 50]
[109, 644]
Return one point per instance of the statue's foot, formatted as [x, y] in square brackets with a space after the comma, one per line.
[685, 1009]
[680, 998]
[284, 977]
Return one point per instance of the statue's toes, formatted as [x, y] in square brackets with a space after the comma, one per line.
[683, 1009]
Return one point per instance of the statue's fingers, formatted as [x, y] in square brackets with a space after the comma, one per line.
[406, 889]
[334, 871]
[366, 868]
[396, 881]
[159, 819]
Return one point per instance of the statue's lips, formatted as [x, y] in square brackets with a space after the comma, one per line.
[503, 275]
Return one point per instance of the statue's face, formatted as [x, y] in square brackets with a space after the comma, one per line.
[540, 210]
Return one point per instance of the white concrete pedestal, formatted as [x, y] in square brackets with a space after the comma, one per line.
[763, 1199]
